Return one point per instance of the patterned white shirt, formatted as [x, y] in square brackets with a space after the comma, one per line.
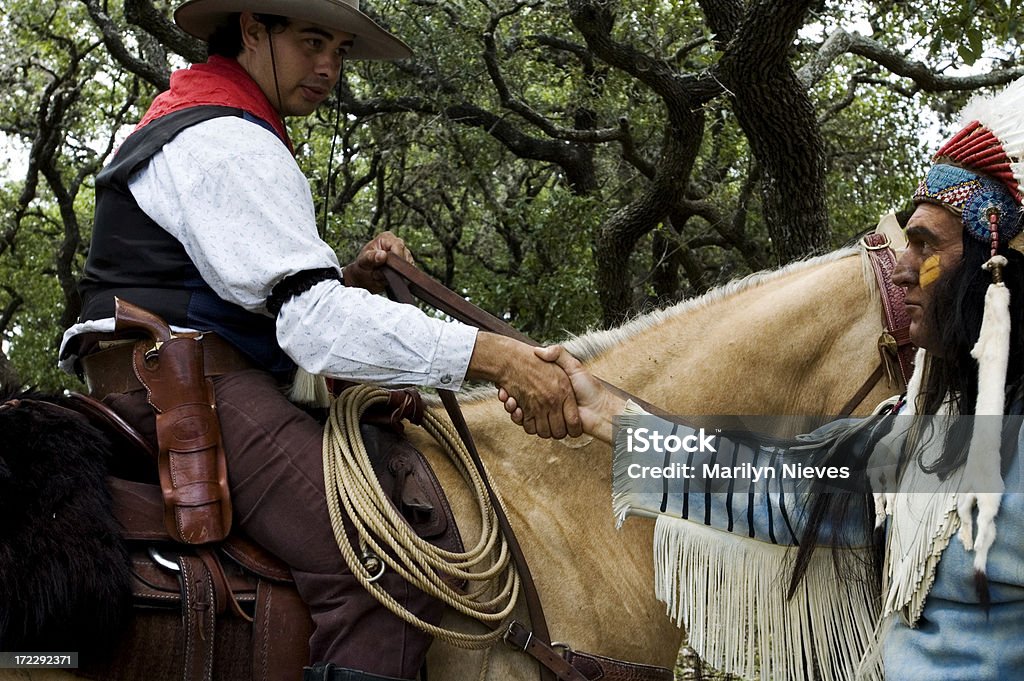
[232, 194]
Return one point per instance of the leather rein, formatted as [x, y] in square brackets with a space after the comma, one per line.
[407, 284]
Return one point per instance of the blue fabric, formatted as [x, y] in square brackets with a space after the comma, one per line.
[767, 505]
[955, 639]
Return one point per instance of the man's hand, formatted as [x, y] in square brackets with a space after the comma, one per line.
[365, 270]
[541, 388]
[597, 406]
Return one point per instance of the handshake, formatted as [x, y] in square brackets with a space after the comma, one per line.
[545, 390]
[553, 395]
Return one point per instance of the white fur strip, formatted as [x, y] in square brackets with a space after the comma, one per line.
[982, 483]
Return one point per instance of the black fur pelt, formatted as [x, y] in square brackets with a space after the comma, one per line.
[64, 569]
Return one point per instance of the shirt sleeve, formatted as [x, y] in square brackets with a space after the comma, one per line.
[372, 339]
[234, 197]
[750, 485]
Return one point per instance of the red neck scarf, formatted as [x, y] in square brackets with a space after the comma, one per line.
[221, 82]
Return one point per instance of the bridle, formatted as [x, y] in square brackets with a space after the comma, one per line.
[895, 349]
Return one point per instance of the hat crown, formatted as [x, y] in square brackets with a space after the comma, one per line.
[201, 18]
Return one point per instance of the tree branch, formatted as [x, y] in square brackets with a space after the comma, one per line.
[630, 152]
[7, 315]
[773, 108]
[585, 136]
[595, 21]
[558, 43]
[145, 15]
[9, 380]
[158, 76]
[834, 47]
[571, 158]
[352, 185]
[42, 145]
[724, 18]
[924, 77]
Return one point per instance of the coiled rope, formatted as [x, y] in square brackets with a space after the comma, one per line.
[352, 484]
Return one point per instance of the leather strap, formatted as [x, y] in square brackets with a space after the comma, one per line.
[281, 631]
[222, 591]
[530, 593]
[605, 668]
[894, 344]
[896, 337]
[110, 371]
[397, 273]
[864, 390]
[198, 618]
[518, 636]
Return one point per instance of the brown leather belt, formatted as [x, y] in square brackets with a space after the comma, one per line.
[110, 371]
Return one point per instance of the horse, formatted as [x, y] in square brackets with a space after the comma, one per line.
[799, 340]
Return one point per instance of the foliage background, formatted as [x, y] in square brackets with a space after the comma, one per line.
[562, 163]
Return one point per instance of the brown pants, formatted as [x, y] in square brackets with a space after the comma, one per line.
[275, 471]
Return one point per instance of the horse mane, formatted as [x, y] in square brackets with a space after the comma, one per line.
[594, 343]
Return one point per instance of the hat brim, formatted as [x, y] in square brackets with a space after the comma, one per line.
[201, 18]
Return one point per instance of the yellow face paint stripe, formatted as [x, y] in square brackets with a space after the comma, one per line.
[929, 271]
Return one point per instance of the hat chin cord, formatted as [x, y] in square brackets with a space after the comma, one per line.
[330, 159]
[334, 137]
[273, 65]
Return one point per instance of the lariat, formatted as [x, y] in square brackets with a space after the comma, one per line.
[385, 538]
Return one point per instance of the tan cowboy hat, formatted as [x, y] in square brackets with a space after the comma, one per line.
[201, 17]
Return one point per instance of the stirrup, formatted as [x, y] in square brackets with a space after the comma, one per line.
[325, 671]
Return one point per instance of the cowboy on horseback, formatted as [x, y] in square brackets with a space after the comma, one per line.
[945, 610]
[205, 246]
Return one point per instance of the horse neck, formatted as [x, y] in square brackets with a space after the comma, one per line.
[798, 341]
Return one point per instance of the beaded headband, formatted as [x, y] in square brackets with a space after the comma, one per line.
[988, 208]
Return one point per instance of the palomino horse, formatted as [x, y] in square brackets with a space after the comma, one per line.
[800, 340]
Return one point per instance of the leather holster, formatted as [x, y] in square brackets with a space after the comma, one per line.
[191, 460]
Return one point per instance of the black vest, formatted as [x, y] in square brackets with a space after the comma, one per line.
[135, 259]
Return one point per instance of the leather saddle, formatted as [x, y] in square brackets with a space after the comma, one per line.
[229, 610]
